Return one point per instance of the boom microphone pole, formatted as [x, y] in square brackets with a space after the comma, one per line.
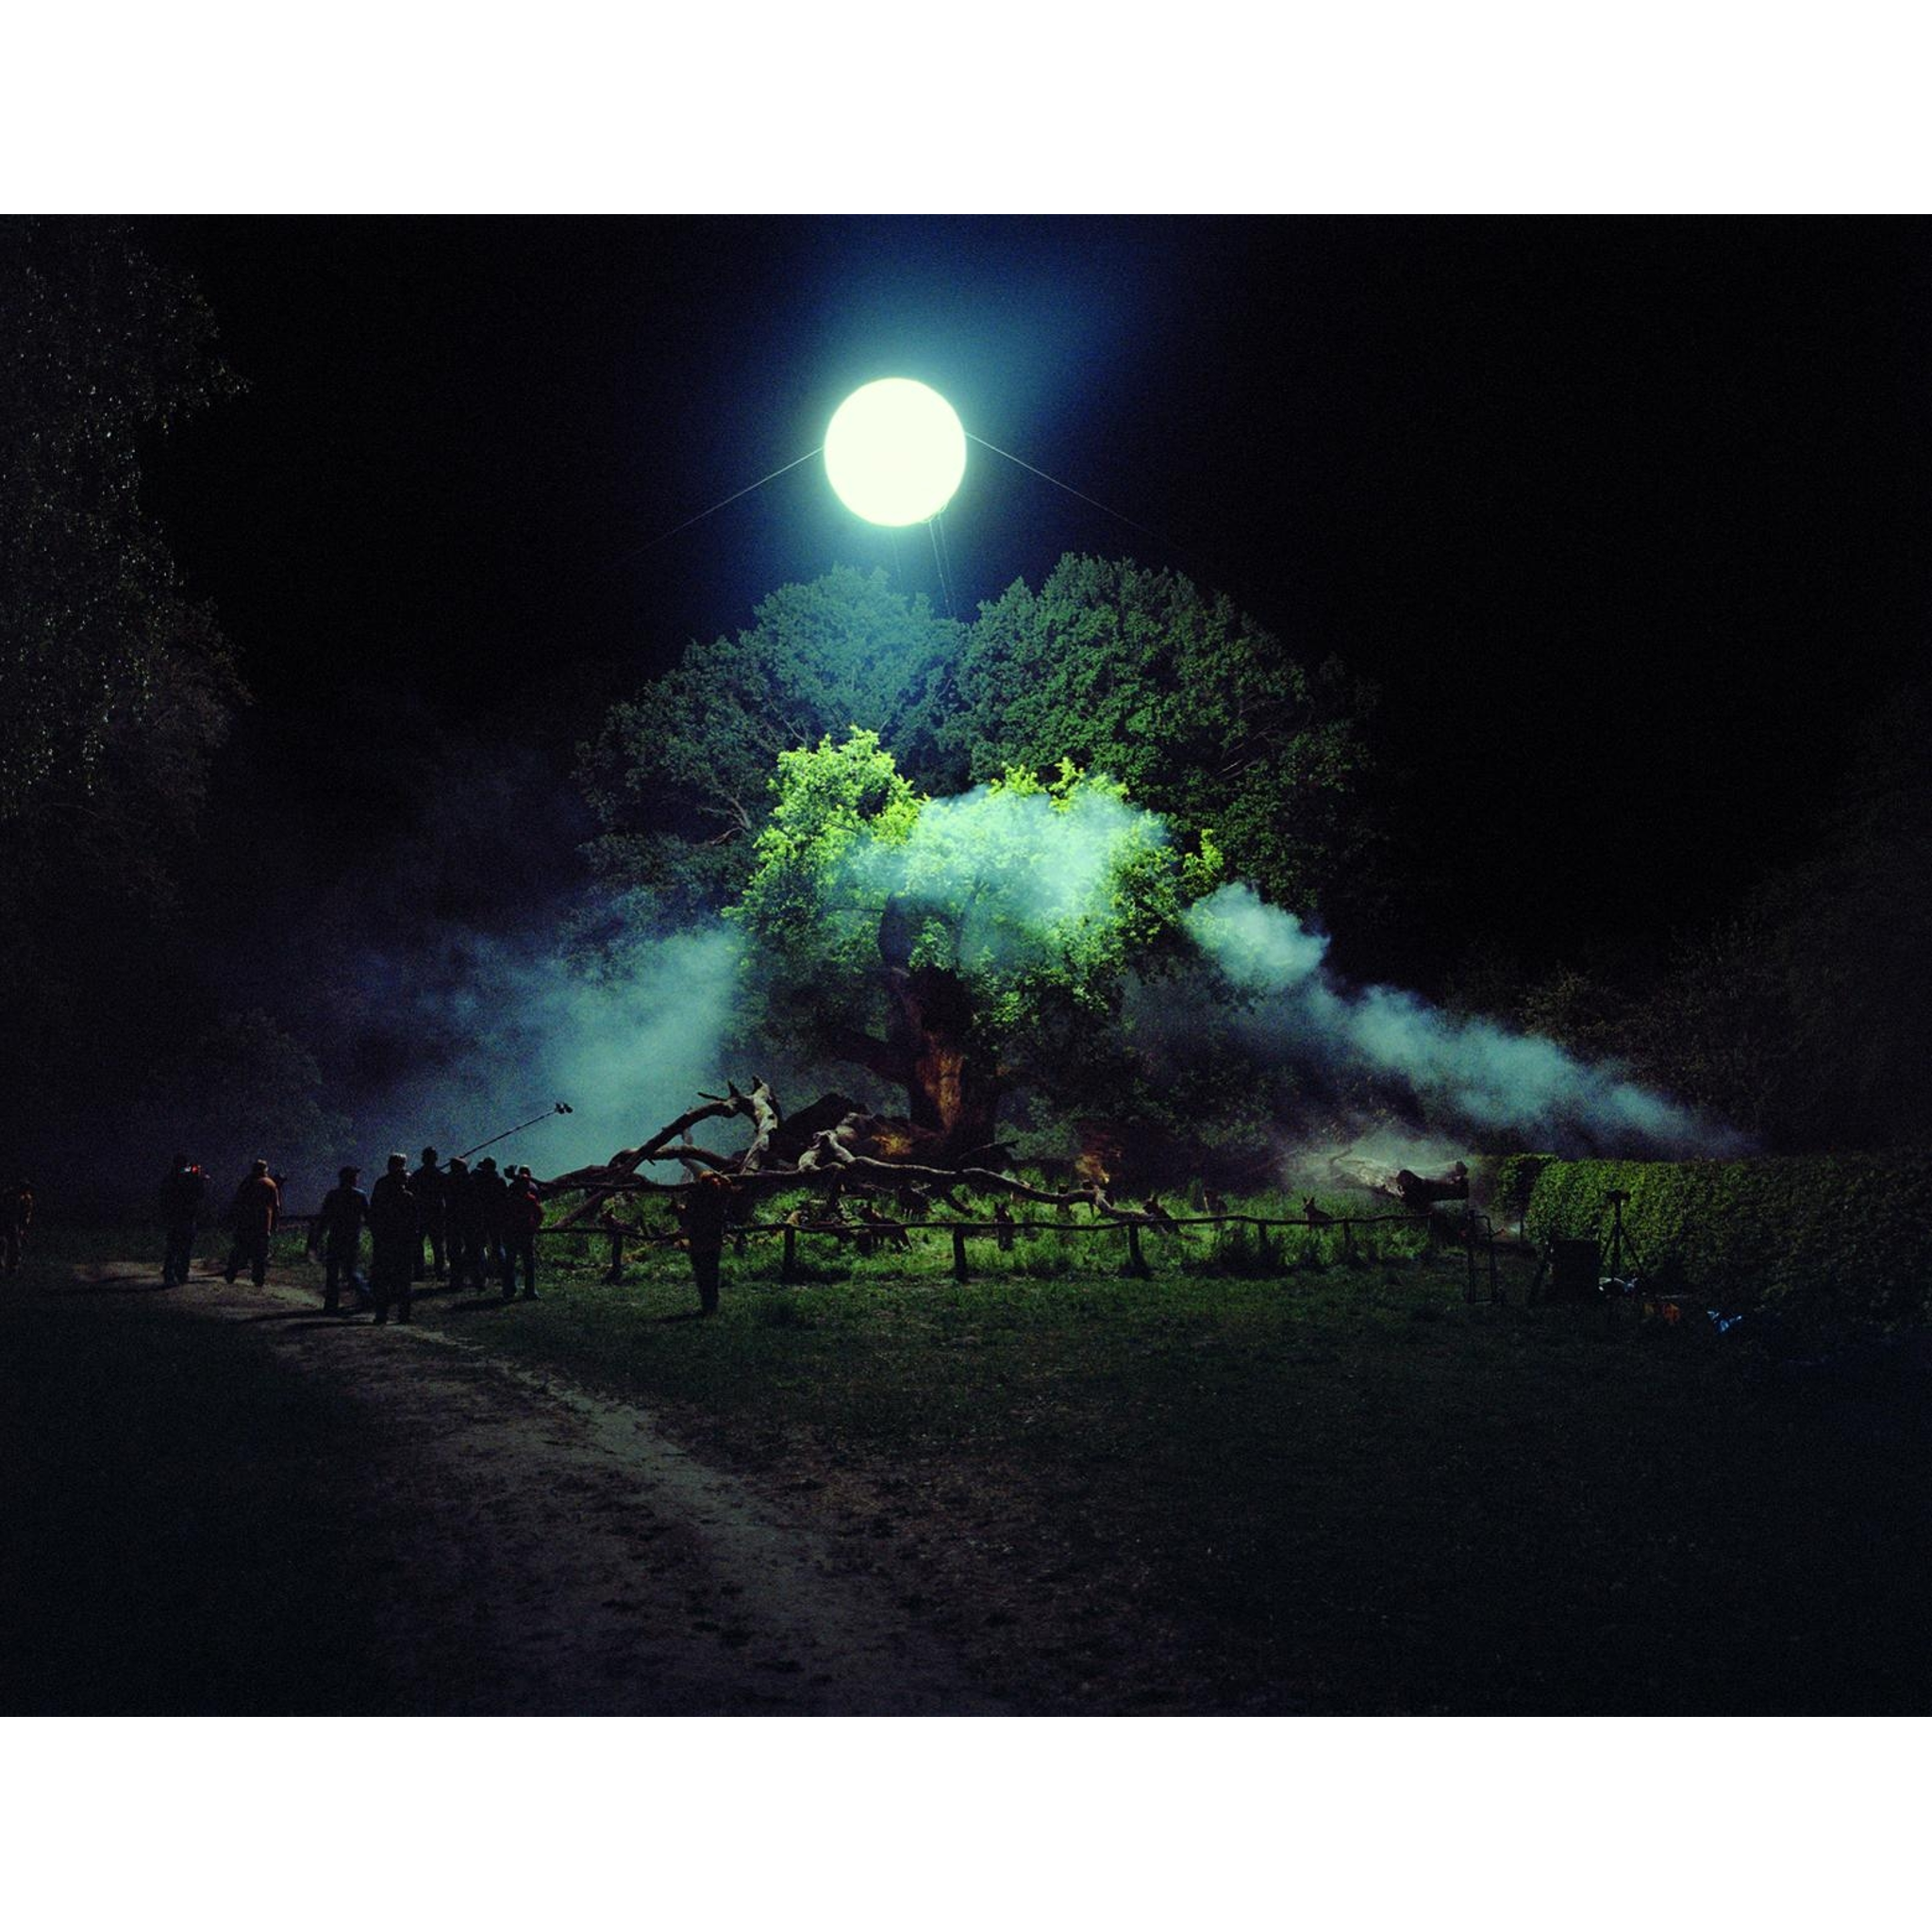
[561, 1106]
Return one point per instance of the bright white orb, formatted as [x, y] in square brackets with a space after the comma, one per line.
[895, 451]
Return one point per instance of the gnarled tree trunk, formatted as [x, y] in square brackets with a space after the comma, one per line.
[952, 1086]
[950, 1089]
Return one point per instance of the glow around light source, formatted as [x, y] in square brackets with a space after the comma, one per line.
[895, 451]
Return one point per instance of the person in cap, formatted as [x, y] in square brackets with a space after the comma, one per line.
[345, 1209]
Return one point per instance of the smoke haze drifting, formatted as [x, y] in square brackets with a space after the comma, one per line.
[503, 1026]
[1469, 1072]
[1015, 875]
[514, 1026]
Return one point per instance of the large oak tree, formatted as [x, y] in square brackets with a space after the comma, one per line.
[952, 947]
[1202, 713]
[888, 736]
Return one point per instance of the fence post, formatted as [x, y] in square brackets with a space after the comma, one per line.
[959, 1252]
[616, 1271]
[1137, 1263]
[788, 1268]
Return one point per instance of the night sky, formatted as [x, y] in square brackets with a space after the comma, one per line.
[1624, 517]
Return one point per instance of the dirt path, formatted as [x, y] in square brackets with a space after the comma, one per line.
[535, 1548]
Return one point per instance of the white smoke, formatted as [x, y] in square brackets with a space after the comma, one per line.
[1012, 875]
[512, 1025]
[499, 1028]
[1467, 1072]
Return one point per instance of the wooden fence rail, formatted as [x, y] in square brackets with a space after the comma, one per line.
[621, 1235]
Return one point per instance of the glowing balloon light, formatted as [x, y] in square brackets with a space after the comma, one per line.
[895, 451]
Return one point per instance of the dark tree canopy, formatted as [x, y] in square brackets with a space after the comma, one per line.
[1201, 713]
[1798, 1013]
[680, 776]
[117, 685]
[1806, 1016]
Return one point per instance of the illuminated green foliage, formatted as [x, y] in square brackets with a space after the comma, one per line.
[1203, 715]
[804, 903]
[1846, 1236]
[1022, 909]
[677, 775]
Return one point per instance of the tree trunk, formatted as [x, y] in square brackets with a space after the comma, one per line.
[950, 1089]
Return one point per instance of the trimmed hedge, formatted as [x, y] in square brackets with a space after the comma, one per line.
[1515, 1182]
[1842, 1234]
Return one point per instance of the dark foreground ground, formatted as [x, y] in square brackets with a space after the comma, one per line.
[226, 1504]
[1329, 1489]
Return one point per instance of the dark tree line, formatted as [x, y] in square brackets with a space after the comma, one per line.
[118, 687]
[1801, 1011]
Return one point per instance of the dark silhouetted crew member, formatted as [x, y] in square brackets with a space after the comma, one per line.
[426, 1184]
[395, 1239]
[462, 1230]
[522, 1215]
[491, 1196]
[344, 1208]
[706, 1208]
[254, 1211]
[182, 1194]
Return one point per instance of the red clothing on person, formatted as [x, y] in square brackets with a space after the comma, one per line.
[258, 1205]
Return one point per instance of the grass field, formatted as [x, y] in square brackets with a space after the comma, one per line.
[1270, 1482]
[1265, 1480]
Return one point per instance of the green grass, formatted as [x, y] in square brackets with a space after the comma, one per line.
[1280, 1481]
[1275, 1480]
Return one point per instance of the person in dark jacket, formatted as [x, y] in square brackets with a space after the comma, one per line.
[395, 1239]
[182, 1193]
[522, 1215]
[19, 1220]
[344, 1208]
[426, 1184]
[255, 1212]
[461, 1227]
[706, 1209]
[491, 1196]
